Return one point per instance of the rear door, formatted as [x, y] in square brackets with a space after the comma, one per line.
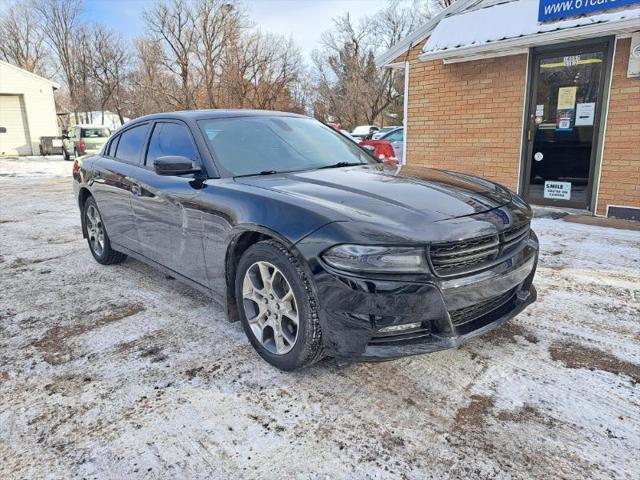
[169, 222]
[113, 185]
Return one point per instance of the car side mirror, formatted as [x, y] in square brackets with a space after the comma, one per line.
[174, 165]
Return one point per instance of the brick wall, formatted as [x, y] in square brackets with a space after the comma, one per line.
[620, 175]
[467, 116]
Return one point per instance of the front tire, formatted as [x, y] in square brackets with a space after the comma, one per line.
[97, 237]
[277, 306]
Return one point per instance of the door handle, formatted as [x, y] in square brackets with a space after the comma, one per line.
[136, 190]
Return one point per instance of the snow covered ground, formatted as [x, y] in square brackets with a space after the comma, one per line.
[121, 372]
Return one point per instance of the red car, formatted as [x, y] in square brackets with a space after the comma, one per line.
[382, 150]
[388, 147]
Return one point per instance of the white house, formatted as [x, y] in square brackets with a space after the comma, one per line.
[27, 110]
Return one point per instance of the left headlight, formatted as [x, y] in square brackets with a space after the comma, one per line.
[363, 258]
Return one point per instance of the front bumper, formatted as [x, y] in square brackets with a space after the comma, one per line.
[353, 310]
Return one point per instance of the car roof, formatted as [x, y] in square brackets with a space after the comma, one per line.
[190, 115]
[364, 127]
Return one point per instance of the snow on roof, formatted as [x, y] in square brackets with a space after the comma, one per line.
[419, 34]
[516, 22]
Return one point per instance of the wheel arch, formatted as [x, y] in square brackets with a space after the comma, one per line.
[241, 240]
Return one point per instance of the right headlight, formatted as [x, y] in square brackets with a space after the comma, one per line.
[365, 258]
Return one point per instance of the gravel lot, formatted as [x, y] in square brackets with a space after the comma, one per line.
[121, 372]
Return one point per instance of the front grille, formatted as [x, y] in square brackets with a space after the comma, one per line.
[455, 258]
[473, 312]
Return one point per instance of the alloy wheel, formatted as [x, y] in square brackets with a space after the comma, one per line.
[95, 230]
[271, 308]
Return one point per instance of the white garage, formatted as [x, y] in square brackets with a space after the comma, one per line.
[27, 110]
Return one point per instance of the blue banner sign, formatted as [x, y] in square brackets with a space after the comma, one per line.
[554, 9]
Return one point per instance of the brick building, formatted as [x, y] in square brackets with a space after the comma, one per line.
[542, 96]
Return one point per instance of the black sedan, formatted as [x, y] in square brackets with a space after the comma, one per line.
[316, 247]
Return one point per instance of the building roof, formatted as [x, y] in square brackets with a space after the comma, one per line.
[515, 25]
[471, 27]
[27, 73]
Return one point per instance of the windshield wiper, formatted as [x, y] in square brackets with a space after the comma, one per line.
[341, 164]
[263, 172]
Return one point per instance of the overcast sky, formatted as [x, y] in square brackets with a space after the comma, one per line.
[304, 20]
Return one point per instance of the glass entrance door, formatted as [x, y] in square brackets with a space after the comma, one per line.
[562, 135]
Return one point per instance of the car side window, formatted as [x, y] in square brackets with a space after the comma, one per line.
[131, 144]
[396, 136]
[170, 139]
[111, 148]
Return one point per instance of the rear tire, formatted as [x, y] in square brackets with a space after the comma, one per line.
[279, 316]
[97, 238]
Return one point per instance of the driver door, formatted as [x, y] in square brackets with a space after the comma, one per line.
[168, 220]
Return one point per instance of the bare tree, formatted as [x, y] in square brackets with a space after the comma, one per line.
[271, 67]
[60, 20]
[109, 67]
[172, 24]
[153, 88]
[22, 39]
[83, 77]
[204, 54]
[218, 25]
[350, 89]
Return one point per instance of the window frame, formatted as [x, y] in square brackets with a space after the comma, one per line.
[118, 137]
[197, 161]
[107, 148]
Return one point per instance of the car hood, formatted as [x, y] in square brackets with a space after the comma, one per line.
[388, 194]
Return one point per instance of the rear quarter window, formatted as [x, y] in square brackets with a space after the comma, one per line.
[131, 144]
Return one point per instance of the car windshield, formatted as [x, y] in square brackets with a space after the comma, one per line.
[255, 145]
[95, 133]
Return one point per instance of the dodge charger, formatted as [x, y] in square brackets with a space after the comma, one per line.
[315, 246]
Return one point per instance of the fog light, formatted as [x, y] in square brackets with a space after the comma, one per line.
[400, 328]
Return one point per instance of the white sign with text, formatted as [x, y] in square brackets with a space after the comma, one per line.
[557, 190]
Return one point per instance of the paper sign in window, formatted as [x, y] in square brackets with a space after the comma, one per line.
[585, 112]
[567, 98]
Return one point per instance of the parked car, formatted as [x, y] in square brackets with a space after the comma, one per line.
[314, 246]
[348, 135]
[388, 148]
[84, 140]
[364, 132]
[383, 131]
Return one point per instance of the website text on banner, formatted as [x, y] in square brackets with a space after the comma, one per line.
[553, 9]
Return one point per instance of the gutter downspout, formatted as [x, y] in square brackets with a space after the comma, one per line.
[405, 112]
